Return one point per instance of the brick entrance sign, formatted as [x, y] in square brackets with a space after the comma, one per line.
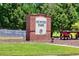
[38, 28]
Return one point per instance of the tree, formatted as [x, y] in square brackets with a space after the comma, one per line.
[62, 14]
[12, 16]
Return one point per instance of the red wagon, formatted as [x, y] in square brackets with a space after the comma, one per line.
[69, 35]
[64, 35]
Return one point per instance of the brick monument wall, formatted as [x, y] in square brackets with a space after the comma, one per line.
[30, 28]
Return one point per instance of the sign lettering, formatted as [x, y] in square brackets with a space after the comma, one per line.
[40, 25]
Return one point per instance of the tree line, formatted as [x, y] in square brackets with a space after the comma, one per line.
[64, 16]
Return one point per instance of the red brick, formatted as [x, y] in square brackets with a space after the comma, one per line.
[30, 28]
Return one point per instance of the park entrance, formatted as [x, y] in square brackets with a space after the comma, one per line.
[38, 28]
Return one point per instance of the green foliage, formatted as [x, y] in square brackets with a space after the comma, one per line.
[63, 15]
[12, 16]
[75, 26]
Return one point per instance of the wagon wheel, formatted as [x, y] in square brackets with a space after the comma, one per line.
[61, 37]
[65, 37]
[70, 36]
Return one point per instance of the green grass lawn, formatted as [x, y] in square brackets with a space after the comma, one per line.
[33, 49]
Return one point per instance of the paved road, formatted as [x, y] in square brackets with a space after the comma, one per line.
[55, 41]
[66, 42]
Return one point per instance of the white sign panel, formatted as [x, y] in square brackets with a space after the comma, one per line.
[40, 25]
